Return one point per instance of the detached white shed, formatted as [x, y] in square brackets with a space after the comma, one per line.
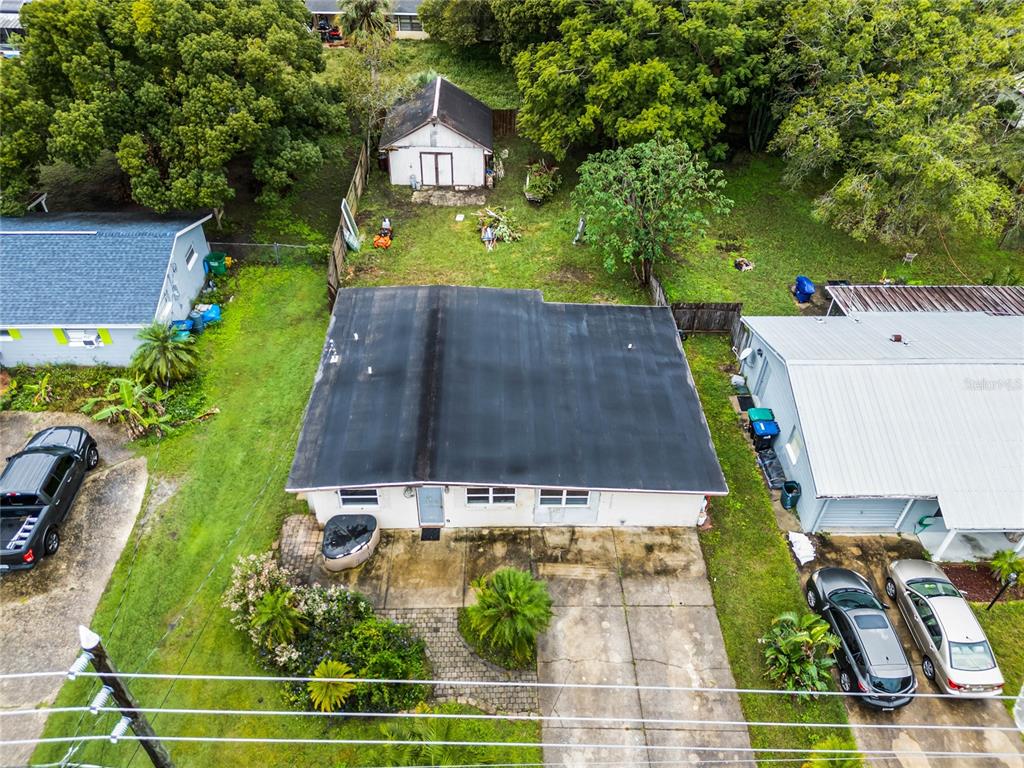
[440, 137]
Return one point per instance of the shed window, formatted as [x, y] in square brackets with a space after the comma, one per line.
[83, 337]
[490, 495]
[191, 257]
[408, 23]
[363, 497]
[6, 335]
[563, 497]
[794, 446]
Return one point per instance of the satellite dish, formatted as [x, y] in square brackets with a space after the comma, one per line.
[744, 354]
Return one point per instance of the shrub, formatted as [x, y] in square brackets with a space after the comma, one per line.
[328, 695]
[512, 608]
[799, 651]
[842, 759]
[136, 406]
[431, 733]
[58, 387]
[275, 619]
[252, 577]
[1005, 563]
[162, 357]
[542, 181]
[385, 650]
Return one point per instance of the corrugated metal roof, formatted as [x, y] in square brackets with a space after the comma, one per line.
[10, 21]
[991, 299]
[941, 417]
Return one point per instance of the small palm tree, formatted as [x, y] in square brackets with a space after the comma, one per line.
[511, 609]
[1006, 562]
[365, 21]
[429, 732]
[129, 402]
[162, 356]
[330, 692]
[277, 619]
[843, 757]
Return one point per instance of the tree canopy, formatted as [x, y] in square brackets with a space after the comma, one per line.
[630, 71]
[460, 23]
[899, 103]
[642, 201]
[177, 89]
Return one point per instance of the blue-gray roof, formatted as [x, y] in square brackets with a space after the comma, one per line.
[111, 276]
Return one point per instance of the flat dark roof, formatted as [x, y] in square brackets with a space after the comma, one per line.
[483, 386]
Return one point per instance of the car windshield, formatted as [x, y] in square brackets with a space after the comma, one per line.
[891, 684]
[933, 588]
[971, 657]
[871, 621]
[853, 598]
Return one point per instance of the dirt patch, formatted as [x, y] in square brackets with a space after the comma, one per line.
[570, 274]
[729, 247]
[863, 553]
[978, 584]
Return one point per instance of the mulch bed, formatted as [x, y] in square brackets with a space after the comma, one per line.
[977, 583]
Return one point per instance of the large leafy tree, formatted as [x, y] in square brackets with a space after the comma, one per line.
[898, 103]
[522, 23]
[630, 71]
[642, 201]
[460, 23]
[177, 89]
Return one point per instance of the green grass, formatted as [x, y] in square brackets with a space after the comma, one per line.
[432, 248]
[1003, 625]
[230, 474]
[753, 577]
[774, 227]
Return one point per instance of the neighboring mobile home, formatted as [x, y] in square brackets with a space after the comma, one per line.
[455, 406]
[77, 288]
[439, 137]
[899, 421]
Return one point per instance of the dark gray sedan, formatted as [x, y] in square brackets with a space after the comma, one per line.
[870, 657]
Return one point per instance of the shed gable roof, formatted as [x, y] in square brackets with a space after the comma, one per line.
[442, 102]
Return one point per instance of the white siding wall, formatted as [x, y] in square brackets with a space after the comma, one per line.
[188, 281]
[39, 346]
[467, 157]
[609, 509]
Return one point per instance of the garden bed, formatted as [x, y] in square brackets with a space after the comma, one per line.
[977, 583]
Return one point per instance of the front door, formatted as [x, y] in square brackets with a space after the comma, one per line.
[437, 169]
[430, 503]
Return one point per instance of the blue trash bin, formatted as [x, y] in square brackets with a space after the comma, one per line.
[803, 289]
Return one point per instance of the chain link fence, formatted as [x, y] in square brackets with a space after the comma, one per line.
[275, 253]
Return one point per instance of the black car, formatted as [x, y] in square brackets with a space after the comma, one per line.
[37, 488]
[870, 656]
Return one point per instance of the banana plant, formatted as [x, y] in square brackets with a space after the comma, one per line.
[137, 406]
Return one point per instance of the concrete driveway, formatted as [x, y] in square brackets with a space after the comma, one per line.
[631, 607]
[869, 555]
[41, 609]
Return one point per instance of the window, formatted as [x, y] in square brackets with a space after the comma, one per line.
[7, 334]
[60, 469]
[191, 257]
[490, 495]
[83, 337]
[408, 23]
[363, 497]
[562, 497]
[794, 446]
[971, 657]
[931, 624]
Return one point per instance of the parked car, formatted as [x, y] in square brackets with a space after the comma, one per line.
[37, 488]
[870, 657]
[957, 655]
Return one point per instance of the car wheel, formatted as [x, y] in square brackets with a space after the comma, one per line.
[890, 589]
[51, 541]
[92, 457]
[845, 681]
[812, 598]
[928, 668]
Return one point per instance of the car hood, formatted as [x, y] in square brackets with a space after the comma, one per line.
[58, 437]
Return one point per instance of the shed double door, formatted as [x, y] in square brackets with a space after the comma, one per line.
[437, 169]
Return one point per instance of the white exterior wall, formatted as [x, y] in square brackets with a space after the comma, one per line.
[188, 281]
[39, 346]
[608, 508]
[468, 158]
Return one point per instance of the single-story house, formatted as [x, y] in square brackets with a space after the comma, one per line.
[439, 137]
[77, 288]
[10, 19]
[456, 406]
[990, 299]
[898, 421]
[404, 16]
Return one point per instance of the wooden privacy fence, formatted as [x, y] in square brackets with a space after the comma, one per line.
[336, 262]
[708, 317]
[503, 122]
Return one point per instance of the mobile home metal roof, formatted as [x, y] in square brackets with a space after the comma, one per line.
[481, 386]
[991, 299]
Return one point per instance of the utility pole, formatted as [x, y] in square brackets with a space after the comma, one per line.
[96, 654]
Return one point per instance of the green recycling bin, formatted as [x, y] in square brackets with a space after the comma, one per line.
[215, 263]
[760, 414]
[790, 494]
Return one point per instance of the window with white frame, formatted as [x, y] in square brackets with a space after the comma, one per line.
[83, 337]
[794, 446]
[6, 335]
[358, 497]
[191, 257]
[482, 496]
[563, 497]
[409, 23]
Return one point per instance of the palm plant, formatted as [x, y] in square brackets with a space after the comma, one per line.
[330, 692]
[365, 21]
[1005, 563]
[162, 356]
[842, 757]
[428, 732]
[512, 608]
[799, 651]
[276, 618]
[129, 402]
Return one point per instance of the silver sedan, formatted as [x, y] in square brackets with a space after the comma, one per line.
[957, 655]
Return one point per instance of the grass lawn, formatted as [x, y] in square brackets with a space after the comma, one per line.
[753, 577]
[431, 247]
[1003, 625]
[228, 475]
[772, 226]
